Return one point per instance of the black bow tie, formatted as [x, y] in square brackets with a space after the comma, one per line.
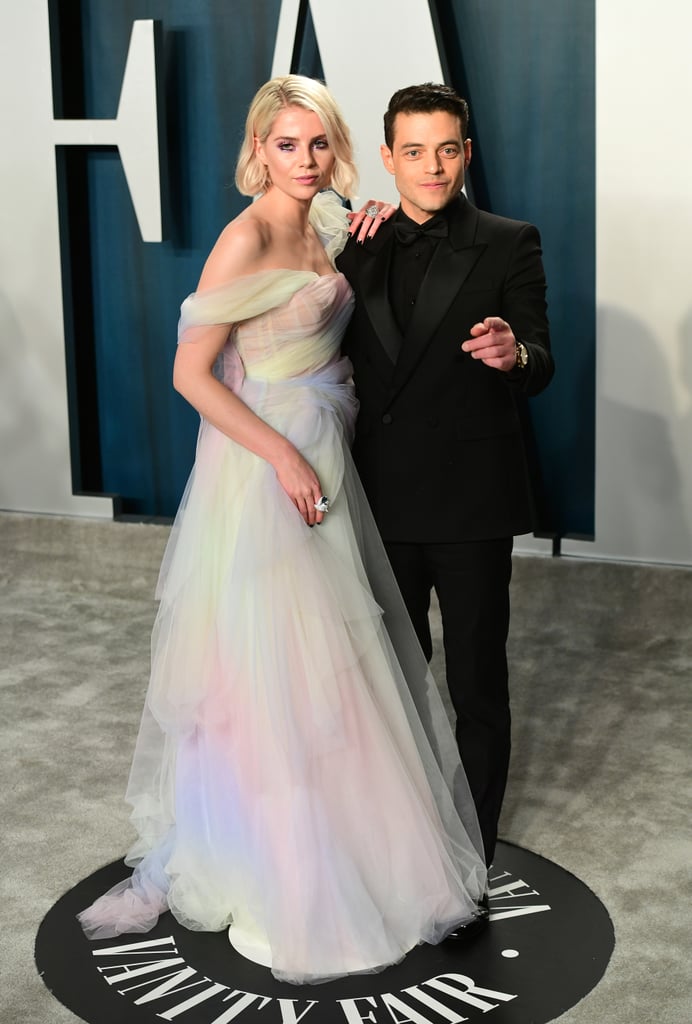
[406, 233]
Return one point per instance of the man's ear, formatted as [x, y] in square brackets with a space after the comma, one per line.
[386, 154]
[468, 152]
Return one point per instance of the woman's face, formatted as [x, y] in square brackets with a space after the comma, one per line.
[297, 154]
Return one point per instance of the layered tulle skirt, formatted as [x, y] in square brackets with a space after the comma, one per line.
[295, 775]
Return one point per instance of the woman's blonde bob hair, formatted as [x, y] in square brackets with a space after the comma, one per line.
[251, 176]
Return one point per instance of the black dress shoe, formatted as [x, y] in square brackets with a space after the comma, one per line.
[475, 926]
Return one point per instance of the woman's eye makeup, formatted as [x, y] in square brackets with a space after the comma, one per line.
[288, 145]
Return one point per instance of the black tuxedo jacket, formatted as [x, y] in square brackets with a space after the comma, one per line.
[438, 443]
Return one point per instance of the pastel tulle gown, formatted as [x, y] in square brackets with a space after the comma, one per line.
[295, 775]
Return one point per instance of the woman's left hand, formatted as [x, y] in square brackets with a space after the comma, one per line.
[364, 224]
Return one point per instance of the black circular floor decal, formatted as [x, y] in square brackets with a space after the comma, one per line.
[548, 944]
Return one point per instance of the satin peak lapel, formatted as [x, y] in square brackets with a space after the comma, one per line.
[374, 280]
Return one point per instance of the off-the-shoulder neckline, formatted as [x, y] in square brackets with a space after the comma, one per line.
[287, 270]
[261, 273]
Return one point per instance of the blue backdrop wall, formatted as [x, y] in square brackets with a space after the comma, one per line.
[528, 71]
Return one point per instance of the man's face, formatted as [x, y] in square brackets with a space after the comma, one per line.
[428, 159]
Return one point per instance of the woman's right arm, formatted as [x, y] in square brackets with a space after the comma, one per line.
[237, 251]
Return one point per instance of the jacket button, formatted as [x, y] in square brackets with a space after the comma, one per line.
[387, 419]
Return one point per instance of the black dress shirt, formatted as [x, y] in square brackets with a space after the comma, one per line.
[414, 245]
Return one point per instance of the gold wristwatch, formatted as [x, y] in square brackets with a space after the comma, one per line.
[522, 354]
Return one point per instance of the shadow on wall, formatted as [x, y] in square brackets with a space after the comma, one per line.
[27, 376]
[643, 511]
[685, 385]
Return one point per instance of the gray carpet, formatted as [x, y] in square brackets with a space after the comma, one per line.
[601, 662]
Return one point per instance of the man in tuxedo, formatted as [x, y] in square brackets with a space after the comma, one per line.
[448, 336]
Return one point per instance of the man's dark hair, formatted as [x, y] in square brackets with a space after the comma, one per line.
[425, 99]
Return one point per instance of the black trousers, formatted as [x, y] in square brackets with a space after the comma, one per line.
[471, 580]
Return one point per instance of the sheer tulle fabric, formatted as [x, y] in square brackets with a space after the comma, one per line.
[295, 773]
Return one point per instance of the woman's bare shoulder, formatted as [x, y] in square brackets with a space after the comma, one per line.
[238, 251]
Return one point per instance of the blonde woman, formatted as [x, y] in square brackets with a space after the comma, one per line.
[295, 778]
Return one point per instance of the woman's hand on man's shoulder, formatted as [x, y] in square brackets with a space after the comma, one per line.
[366, 222]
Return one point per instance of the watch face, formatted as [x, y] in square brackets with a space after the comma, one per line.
[522, 355]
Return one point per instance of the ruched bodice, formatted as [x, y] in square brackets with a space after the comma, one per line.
[298, 337]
